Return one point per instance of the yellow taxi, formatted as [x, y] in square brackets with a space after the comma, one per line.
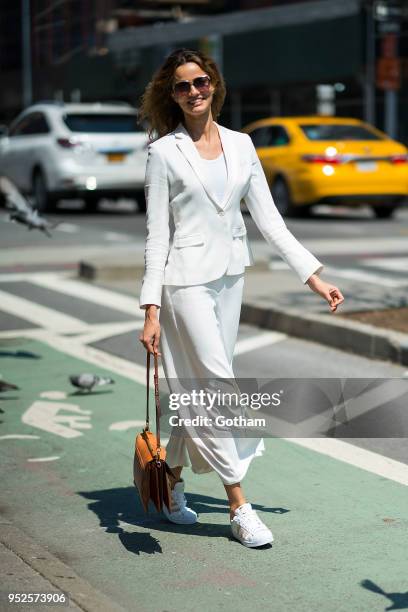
[322, 159]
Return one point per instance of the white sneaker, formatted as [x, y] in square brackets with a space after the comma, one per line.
[248, 528]
[179, 512]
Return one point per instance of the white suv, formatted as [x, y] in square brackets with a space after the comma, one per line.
[54, 150]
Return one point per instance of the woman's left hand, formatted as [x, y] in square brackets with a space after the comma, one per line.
[329, 292]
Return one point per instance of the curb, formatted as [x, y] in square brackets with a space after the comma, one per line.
[54, 571]
[110, 270]
[330, 330]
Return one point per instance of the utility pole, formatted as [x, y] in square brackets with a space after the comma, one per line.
[388, 14]
[26, 53]
[369, 85]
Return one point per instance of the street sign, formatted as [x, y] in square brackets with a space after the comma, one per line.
[388, 73]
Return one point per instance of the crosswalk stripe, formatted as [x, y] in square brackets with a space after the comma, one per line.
[75, 348]
[91, 293]
[97, 333]
[357, 456]
[392, 264]
[116, 237]
[255, 342]
[40, 315]
[68, 228]
[355, 246]
[367, 277]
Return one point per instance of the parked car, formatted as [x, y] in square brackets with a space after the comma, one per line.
[315, 159]
[55, 150]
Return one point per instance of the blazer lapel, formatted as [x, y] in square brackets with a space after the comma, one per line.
[231, 156]
[190, 152]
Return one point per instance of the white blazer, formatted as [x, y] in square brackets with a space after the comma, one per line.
[210, 237]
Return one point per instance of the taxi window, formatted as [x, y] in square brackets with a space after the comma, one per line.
[343, 131]
[269, 136]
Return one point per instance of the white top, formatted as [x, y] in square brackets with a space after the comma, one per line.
[215, 174]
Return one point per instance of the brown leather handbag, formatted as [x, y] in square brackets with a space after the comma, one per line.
[150, 470]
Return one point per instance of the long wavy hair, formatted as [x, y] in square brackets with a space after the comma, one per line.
[157, 107]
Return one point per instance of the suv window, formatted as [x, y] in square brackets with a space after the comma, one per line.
[31, 125]
[270, 136]
[107, 123]
[326, 131]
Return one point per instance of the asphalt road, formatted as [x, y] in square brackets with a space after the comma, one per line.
[121, 223]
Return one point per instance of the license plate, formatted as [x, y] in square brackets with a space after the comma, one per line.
[115, 157]
[366, 166]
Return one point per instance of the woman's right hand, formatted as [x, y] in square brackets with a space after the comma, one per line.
[150, 335]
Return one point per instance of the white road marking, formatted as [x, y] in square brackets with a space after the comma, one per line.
[357, 456]
[116, 237]
[68, 228]
[86, 291]
[54, 395]
[17, 276]
[68, 254]
[74, 347]
[40, 315]
[356, 246]
[366, 277]
[353, 407]
[125, 425]
[41, 459]
[93, 333]
[107, 330]
[45, 416]
[19, 437]
[388, 263]
[255, 342]
[278, 265]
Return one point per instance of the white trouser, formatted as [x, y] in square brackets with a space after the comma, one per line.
[199, 327]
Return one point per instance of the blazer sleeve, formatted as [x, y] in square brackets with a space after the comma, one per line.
[157, 225]
[270, 222]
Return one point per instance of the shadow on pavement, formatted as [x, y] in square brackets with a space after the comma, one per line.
[399, 600]
[119, 508]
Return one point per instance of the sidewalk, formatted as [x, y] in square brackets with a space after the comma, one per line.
[29, 568]
[274, 298]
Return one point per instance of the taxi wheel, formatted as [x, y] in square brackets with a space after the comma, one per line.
[282, 198]
[384, 212]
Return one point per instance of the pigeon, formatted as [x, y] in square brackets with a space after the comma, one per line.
[22, 212]
[86, 381]
[5, 386]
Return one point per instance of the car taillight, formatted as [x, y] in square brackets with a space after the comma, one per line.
[322, 159]
[399, 159]
[67, 143]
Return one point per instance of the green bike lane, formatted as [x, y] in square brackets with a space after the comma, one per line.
[340, 531]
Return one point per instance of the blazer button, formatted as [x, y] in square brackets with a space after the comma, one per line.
[221, 213]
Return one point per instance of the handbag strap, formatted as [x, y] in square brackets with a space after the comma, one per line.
[156, 394]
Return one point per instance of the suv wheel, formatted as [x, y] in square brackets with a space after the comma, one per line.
[141, 200]
[43, 201]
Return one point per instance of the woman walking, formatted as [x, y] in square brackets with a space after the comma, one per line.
[197, 173]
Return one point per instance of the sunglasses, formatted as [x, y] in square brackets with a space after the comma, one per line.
[201, 83]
